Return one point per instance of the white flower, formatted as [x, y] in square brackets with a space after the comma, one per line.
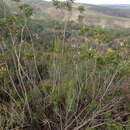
[121, 44]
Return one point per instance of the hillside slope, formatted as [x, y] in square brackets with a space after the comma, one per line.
[118, 11]
[104, 16]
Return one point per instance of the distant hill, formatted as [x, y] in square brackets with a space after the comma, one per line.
[116, 5]
[102, 15]
[113, 10]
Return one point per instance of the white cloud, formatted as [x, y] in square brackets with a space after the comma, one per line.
[103, 1]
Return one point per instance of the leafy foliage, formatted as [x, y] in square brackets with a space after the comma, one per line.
[43, 87]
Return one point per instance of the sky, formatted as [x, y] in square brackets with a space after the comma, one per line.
[102, 1]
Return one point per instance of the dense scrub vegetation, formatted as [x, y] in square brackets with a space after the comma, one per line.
[62, 75]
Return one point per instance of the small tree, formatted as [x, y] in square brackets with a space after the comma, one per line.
[62, 5]
[81, 9]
